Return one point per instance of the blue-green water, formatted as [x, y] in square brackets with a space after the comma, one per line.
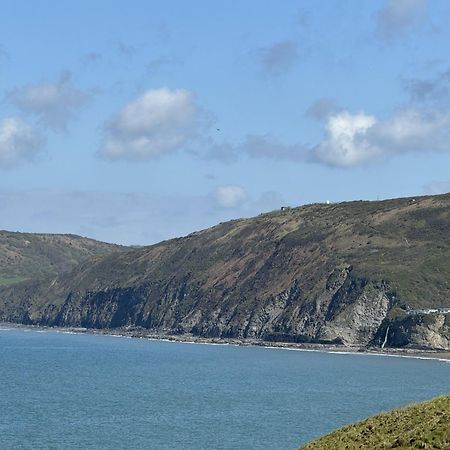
[73, 391]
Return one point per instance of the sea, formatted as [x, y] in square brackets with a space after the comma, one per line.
[60, 390]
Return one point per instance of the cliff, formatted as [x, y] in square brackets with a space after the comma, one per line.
[354, 273]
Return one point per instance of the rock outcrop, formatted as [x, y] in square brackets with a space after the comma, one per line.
[347, 273]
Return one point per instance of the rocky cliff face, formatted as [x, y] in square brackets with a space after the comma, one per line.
[424, 331]
[345, 273]
[345, 311]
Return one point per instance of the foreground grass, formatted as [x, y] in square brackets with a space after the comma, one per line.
[425, 425]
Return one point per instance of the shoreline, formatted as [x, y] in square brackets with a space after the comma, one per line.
[424, 354]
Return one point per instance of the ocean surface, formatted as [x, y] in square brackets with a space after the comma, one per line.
[80, 391]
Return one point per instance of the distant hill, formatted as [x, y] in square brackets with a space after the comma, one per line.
[25, 256]
[353, 273]
[425, 425]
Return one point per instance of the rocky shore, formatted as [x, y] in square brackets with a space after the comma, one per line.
[138, 333]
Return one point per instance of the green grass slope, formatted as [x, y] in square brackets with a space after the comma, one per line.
[424, 425]
[25, 256]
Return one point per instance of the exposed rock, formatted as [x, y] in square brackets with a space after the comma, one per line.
[337, 273]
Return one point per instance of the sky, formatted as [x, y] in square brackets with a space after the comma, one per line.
[134, 122]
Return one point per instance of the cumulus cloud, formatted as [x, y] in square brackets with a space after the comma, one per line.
[279, 57]
[351, 139]
[356, 139]
[159, 121]
[398, 16]
[18, 141]
[230, 196]
[345, 143]
[54, 103]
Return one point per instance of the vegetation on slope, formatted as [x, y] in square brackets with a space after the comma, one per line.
[424, 425]
[345, 272]
[405, 241]
[26, 256]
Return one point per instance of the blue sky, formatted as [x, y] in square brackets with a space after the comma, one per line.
[138, 121]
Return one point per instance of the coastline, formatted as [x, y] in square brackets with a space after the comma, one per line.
[139, 333]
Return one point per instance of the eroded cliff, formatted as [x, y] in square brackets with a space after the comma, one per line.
[347, 273]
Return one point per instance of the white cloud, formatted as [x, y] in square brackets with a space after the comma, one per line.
[230, 196]
[345, 143]
[356, 139]
[18, 141]
[399, 16]
[160, 121]
[351, 139]
[54, 103]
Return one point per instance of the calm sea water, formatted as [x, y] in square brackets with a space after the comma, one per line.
[73, 391]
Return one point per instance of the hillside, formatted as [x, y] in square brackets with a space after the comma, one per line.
[425, 425]
[25, 256]
[346, 273]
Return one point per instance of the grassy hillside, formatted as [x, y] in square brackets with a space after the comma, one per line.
[425, 425]
[25, 256]
[345, 273]
[405, 241]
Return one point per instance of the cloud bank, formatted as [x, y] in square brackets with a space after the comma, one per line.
[357, 139]
[351, 139]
